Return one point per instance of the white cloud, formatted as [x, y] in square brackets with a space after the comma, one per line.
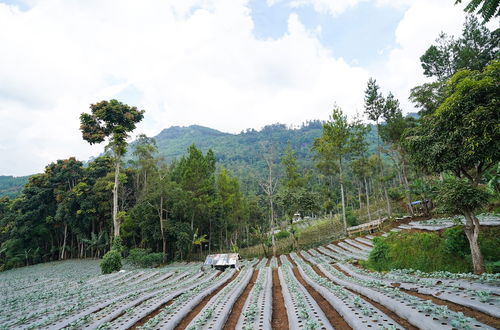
[418, 29]
[189, 62]
[332, 7]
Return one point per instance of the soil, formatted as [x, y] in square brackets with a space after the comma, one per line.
[185, 322]
[268, 262]
[364, 244]
[232, 320]
[336, 320]
[278, 259]
[469, 312]
[145, 319]
[388, 312]
[280, 317]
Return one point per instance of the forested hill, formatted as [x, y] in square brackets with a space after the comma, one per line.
[12, 185]
[242, 154]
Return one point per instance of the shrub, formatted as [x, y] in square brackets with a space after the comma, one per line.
[422, 251]
[144, 258]
[282, 234]
[111, 262]
[455, 241]
[379, 254]
[117, 244]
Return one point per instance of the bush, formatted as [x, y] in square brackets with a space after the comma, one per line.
[282, 234]
[455, 241]
[144, 258]
[422, 251]
[111, 262]
[117, 245]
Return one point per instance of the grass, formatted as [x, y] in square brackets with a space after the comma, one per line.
[435, 251]
[320, 232]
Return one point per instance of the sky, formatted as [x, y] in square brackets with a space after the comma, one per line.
[224, 64]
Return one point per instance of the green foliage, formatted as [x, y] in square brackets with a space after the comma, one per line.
[458, 196]
[455, 242]
[110, 119]
[111, 262]
[461, 136]
[429, 252]
[422, 251]
[117, 244]
[11, 186]
[486, 8]
[144, 258]
[282, 234]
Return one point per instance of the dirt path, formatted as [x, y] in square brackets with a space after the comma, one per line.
[280, 318]
[232, 320]
[185, 322]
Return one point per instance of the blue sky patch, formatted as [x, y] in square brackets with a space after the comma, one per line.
[361, 35]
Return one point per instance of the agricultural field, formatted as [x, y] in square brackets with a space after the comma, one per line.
[316, 289]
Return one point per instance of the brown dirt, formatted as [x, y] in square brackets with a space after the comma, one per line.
[185, 322]
[331, 313]
[157, 311]
[268, 262]
[278, 259]
[469, 312]
[364, 244]
[381, 307]
[232, 320]
[280, 317]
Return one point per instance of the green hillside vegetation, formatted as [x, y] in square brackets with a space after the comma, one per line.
[11, 186]
[242, 153]
[430, 252]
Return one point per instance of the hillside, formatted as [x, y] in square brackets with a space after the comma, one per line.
[242, 154]
[11, 186]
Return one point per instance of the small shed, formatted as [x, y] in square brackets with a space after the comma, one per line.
[223, 260]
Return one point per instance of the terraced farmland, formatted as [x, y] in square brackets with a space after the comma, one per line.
[314, 289]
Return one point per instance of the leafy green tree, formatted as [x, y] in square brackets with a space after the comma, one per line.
[463, 136]
[487, 8]
[64, 175]
[473, 50]
[113, 120]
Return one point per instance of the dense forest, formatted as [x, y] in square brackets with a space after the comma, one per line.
[226, 192]
[11, 186]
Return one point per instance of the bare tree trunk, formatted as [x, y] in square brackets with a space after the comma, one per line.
[389, 210]
[407, 188]
[471, 230]
[343, 198]
[116, 223]
[210, 236]
[162, 229]
[359, 196]
[273, 241]
[367, 200]
[64, 241]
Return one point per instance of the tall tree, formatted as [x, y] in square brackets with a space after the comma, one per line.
[462, 137]
[269, 185]
[334, 145]
[375, 105]
[473, 50]
[111, 119]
